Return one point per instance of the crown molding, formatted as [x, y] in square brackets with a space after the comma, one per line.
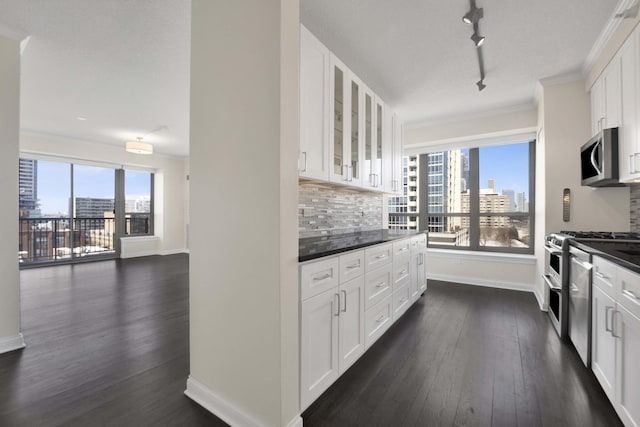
[13, 33]
[605, 36]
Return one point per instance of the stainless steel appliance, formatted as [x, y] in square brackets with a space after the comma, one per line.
[555, 278]
[580, 302]
[599, 160]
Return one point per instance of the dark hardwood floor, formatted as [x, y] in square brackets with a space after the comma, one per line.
[107, 344]
[467, 356]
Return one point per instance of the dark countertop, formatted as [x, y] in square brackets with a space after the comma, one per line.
[317, 247]
[625, 254]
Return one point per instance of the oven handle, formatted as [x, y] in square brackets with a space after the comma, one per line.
[553, 287]
[552, 250]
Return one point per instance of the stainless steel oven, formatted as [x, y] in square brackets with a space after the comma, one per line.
[554, 277]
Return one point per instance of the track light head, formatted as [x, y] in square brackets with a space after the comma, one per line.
[481, 84]
[473, 16]
[478, 40]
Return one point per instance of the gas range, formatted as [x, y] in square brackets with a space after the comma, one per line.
[602, 235]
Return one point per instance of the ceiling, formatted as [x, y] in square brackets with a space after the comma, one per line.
[124, 65]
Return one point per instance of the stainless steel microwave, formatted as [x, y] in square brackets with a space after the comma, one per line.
[599, 160]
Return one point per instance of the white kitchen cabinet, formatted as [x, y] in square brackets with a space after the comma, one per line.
[345, 145]
[616, 337]
[377, 320]
[378, 285]
[606, 98]
[628, 143]
[318, 345]
[370, 155]
[627, 329]
[313, 160]
[418, 266]
[398, 147]
[603, 345]
[388, 159]
[332, 335]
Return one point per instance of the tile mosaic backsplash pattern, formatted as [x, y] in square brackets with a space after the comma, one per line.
[324, 210]
[635, 208]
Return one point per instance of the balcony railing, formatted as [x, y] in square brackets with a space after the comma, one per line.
[43, 240]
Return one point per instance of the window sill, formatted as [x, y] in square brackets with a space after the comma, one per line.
[483, 256]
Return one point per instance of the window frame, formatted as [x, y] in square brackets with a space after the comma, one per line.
[474, 214]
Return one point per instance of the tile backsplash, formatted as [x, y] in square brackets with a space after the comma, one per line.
[324, 210]
[635, 208]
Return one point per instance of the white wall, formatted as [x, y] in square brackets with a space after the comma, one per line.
[512, 272]
[10, 336]
[243, 180]
[169, 186]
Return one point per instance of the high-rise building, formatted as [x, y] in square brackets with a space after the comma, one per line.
[521, 203]
[512, 200]
[444, 180]
[464, 183]
[407, 204]
[28, 187]
[92, 207]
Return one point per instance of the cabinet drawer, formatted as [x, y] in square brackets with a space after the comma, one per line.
[401, 300]
[419, 242]
[318, 277]
[604, 275]
[401, 271]
[351, 266]
[377, 256]
[378, 285]
[377, 320]
[629, 288]
[401, 247]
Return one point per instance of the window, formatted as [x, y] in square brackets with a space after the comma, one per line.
[138, 202]
[481, 198]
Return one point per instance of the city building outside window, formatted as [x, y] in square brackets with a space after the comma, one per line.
[470, 198]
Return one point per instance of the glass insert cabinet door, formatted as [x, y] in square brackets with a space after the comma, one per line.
[338, 122]
[378, 146]
[369, 148]
[355, 131]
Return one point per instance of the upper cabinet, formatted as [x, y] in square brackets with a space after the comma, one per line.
[628, 144]
[615, 102]
[314, 107]
[346, 131]
[606, 99]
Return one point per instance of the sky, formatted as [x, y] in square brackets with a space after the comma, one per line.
[508, 165]
[54, 186]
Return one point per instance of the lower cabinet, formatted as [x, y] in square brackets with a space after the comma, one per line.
[616, 337]
[603, 343]
[331, 336]
[347, 303]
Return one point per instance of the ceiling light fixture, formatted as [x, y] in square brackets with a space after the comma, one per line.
[472, 17]
[138, 147]
[478, 40]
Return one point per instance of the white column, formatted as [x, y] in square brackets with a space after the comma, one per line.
[243, 210]
[10, 336]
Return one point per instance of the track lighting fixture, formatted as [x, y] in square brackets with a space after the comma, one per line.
[478, 40]
[473, 15]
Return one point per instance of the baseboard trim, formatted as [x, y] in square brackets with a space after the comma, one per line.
[295, 422]
[226, 411]
[138, 254]
[174, 251]
[480, 282]
[15, 342]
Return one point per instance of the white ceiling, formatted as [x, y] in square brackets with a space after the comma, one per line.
[124, 65]
[418, 56]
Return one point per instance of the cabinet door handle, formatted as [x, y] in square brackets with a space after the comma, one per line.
[371, 181]
[629, 293]
[304, 169]
[632, 167]
[403, 272]
[344, 309]
[352, 266]
[402, 249]
[381, 285]
[381, 256]
[323, 277]
[380, 319]
[337, 313]
[351, 173]
[601, 275]
[606, 319]
[613, 324]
